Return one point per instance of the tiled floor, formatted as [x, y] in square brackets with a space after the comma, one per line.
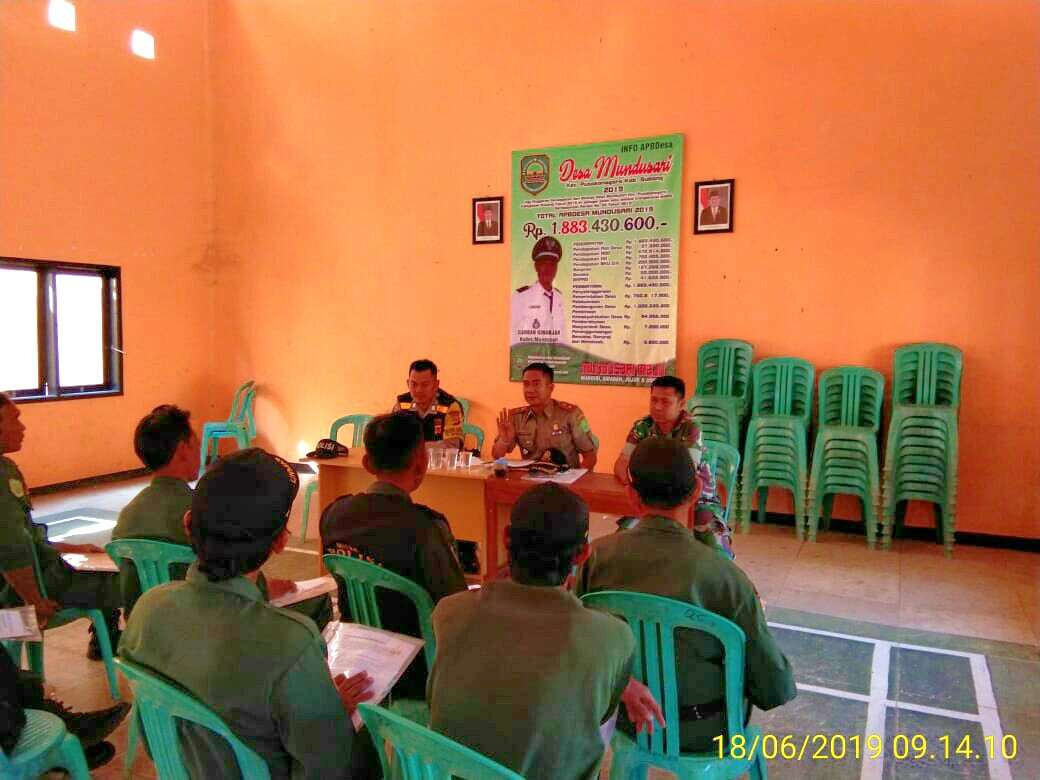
[882, 643]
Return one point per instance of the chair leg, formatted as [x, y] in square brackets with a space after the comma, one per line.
[759, 769]
[105, 644]
[34, 654]
[311, 489]
[132, 735]
[763, 499]
[828, 508]
[72, 758]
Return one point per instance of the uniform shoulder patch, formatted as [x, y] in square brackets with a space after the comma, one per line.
[519, 410]
[403, 397]
[445, 398]
[565, 406]
[525, 288]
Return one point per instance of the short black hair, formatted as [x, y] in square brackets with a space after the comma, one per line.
[545, 368]
[238, 510]
[673, 382]
[159, 433]
[663, 472]
[392, 439]
[549, 526]
[5, 399]
[425, 364]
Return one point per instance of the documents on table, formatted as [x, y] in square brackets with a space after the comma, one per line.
[568, 477]
[305, 589]
[19, 624]
[384, 655]
[90, 562]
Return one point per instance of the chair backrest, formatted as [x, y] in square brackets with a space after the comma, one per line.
[361, 579]
[246, 414]
[784, 386]
[653, 620]
[474, 430]
[724, 462]
[718, 418]
[927, 374]
[851, 396]
[359, 421]
[159, 704]
[421, 754]
[724, 368]
[151, 559]
[238, 404]
[465, 408]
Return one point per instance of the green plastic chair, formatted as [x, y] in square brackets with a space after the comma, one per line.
[420, 754]
[160, 704]
[717, 417]
[784, 386]
[851, 396]
[724, 462]
[34, 650]
[240, 426]
[150, 558]
[465, 408]
[724, 369]
[927, 374]
[476, 432]
[360, 422]
[44, 744]
[654, 620]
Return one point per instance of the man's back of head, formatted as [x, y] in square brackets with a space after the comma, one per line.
[549, 529]
[394, 444]
[663, 473]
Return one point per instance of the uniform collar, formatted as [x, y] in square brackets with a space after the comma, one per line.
[381, 488]
[171, 482]
[533, 595]
[662, 525]
[547, 412]
[240, 586]
[684, 416]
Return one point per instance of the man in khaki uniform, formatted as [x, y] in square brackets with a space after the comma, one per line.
[524, 674]
[662, 557]
[545, 424]
[439, 411]
[260, 668]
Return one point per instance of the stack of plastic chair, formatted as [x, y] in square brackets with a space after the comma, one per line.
[654, 621]
[44, 744]
[776, 448]
[416, 753]
[845, 457]
[239, 426]
[360, 422]
[722, 400]
[724, 462]
[921, 454]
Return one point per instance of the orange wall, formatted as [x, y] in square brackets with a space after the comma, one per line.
[106, 158]
[886, 159]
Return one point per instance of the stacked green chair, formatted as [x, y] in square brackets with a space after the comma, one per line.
[416, 753]
[654, 621]
[921, 453]
[468, 429]
[34, 650]
[465, 408]
[722, 399]
[776, 447]
[44, 744]
[845, 456]
[360, 422]
[361, 579]
[160, 705]
[724, 462]
[239, 426]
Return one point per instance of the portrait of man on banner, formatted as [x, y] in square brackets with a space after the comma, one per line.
[538, 311]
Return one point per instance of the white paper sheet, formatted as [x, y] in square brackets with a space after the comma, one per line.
[606, 730]
[90, 562]
[19, 623]
[384, 655]
[568, 477]
[519, 464]
[306, 589]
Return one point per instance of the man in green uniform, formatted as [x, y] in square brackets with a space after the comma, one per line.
[545, 424]
[660, 556]
[22, 541]
[384, 526]
[260, 668]
[440, 412]
[669, 418]
[524, 674]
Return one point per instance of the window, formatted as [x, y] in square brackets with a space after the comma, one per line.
[60, 330]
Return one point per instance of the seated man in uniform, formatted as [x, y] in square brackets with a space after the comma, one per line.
[260, 668]
[661, 556]
[524, 674]
[384, 526]
[169, 447]
[545, 424]
[440, 412]
[668, 418]
[21, 540]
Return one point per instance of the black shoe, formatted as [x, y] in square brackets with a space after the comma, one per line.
[99, 754]
[89, 727]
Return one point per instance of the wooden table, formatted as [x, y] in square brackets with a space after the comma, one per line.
[602, 492]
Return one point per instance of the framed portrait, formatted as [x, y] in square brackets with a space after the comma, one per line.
[487, 220]
[713, 206]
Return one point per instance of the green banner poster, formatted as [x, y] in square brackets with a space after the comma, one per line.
[595, 243]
